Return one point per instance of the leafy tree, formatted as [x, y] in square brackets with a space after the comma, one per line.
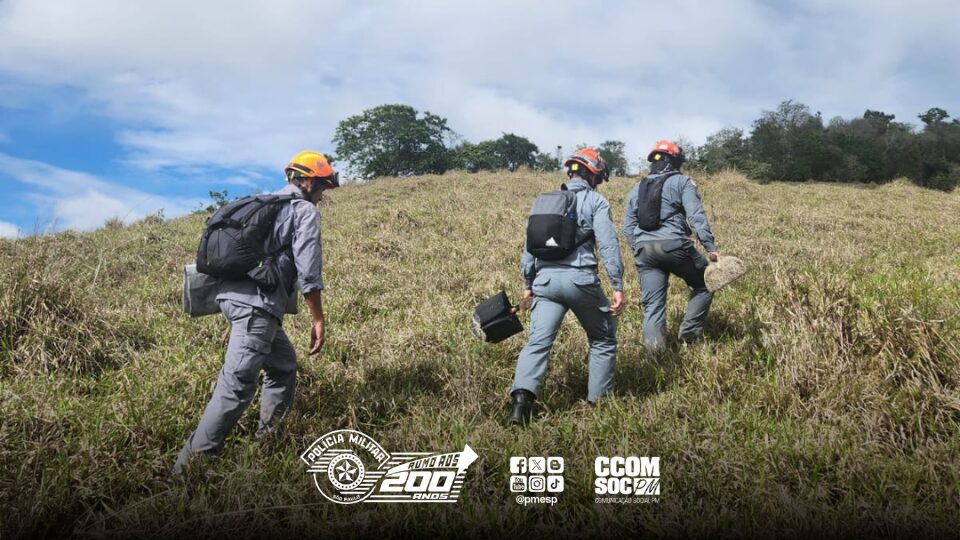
[878, 118]
[939, 150]
[856, 158]
[874, 148]
[219, 199]
[508, 152]
[393, 140]
[946, 179]
[724, 149]
[614, 153]
[474, 157]
[689, 149]
[791, 142]
[939, 147]
[933, 116]
[546, 162]
[513, 151]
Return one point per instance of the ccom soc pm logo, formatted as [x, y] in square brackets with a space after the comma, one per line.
[349, 466]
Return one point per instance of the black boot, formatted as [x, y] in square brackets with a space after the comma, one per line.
[522, 407]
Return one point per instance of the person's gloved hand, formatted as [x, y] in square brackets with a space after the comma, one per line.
[618, 303]
[526, 300]
[714, 256]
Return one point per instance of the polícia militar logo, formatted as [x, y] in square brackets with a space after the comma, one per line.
[349, 466]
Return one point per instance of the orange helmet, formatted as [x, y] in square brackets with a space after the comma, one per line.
[668, 148]
[312, 165]
[589, 158]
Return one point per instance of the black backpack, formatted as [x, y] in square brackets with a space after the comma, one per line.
[552, 225]
[231, 246]
[649, 199]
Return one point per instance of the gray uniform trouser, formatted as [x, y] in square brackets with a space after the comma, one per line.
[656, 260]
[257, 342]
[554, 292]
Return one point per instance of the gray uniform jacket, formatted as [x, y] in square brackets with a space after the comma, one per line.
[297, 226]
[680, 207]
[593, 216]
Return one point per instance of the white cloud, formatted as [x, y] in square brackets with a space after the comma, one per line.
[232, 84]
[9, 230]
[80, 201]
[89, 210]
[247, 183]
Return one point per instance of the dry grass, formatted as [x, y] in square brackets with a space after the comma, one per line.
[825, 400]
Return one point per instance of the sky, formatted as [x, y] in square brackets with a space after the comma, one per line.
[122, 109]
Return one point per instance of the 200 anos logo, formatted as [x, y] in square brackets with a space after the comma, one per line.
[349, 466]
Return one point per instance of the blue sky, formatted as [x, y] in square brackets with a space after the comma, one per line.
[112, 108]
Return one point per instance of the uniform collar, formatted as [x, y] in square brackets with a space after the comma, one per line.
[668, 170]
[577, 184]
[291, 189]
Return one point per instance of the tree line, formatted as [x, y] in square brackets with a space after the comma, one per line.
[397, 140]
[788, 143]
[792, 143]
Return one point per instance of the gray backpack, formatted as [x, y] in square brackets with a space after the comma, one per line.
[552, 225]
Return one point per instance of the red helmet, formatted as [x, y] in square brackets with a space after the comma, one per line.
[589, 158]
[668, 148]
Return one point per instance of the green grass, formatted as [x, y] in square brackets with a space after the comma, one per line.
[825, 400]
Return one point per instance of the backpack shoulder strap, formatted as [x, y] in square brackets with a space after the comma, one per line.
[584, 240]
[665, 178]
[271, 198]
[281, 199]
[227, 211]
[669, 174]
[589, 237]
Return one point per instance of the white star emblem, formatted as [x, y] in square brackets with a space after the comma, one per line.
[346, 471]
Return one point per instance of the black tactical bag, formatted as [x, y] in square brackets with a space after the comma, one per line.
[649, 199]
[231, 246]
[495, 319]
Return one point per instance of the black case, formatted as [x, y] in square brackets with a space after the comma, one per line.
[494, 318]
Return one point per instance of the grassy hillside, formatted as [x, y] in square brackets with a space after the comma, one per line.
[825, 400]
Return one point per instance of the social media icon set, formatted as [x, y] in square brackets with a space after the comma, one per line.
[536, 474]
